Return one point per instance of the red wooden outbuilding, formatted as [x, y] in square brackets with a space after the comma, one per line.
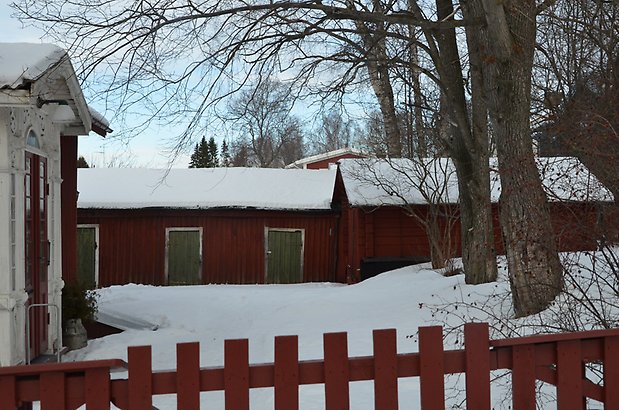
[220, 225]
[248, 225]
[379, 233]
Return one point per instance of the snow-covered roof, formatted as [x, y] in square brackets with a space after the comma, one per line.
[99, 123]
[203, 188]
[301, 163]
[376, 182]
[24, 62]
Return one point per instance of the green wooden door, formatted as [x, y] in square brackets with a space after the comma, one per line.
[285, 256]
[87, 256]
[184, 257]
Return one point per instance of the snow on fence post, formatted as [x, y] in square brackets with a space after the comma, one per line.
[286, 373]
[385, 369]
[431, 368]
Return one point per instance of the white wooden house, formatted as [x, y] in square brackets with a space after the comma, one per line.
[42, 111]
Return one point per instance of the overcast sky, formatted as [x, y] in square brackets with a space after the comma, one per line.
[142, 151]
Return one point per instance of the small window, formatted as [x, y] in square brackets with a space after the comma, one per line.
[33, 139]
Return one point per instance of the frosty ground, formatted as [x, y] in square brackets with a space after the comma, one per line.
[403, 299]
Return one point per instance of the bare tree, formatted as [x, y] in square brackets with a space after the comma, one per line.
[265, 125]
[576, 85]
[333, 132]
[173, 56]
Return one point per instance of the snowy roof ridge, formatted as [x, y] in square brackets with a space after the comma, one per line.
[206, 188]
[327, 155]
[21, 63]
[400, 181]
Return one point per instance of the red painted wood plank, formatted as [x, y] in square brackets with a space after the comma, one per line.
[523, 377]
[476, 341]
[8, 391]
[52, 390]
[336, 371]
[589, 334]
[35, 369]
[431, 368]
[236, 374]
[97, 389]
[140, 377]
[569, 370]
[188, 375]
[286, 379]
[385, 369]
[611, 372]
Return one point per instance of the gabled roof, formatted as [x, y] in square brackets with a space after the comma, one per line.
[302, 163]
[204, 188]
[377, 182]
[22, 65]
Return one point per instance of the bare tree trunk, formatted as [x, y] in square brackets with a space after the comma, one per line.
[469, 151]
[378, 71]
[479, 234]
[421, 142]
[534, 266]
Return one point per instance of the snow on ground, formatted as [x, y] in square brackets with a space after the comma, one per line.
[403, 299]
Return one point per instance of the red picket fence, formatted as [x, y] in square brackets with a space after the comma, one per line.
[556, 359]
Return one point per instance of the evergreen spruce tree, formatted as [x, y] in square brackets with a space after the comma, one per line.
[212, 157]
[225, 155]
[205, 154]
[81, 162]
[198, 158]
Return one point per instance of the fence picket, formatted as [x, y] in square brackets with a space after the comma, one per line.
[569, 374]
[97, 389]
[431, 368]
[611, 372]
[336, 371]
[7, 391]
[52, 390]
[385, 369]
[523, 377]
[188, 376]
[68, 385]
[286, 377]
[236, 374]
[140, 377]
[476, 342]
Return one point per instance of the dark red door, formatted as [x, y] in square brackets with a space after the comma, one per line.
[37, 249]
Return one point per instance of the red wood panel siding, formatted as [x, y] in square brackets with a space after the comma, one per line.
[68, 212]
[390, 232]
[132, 243]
